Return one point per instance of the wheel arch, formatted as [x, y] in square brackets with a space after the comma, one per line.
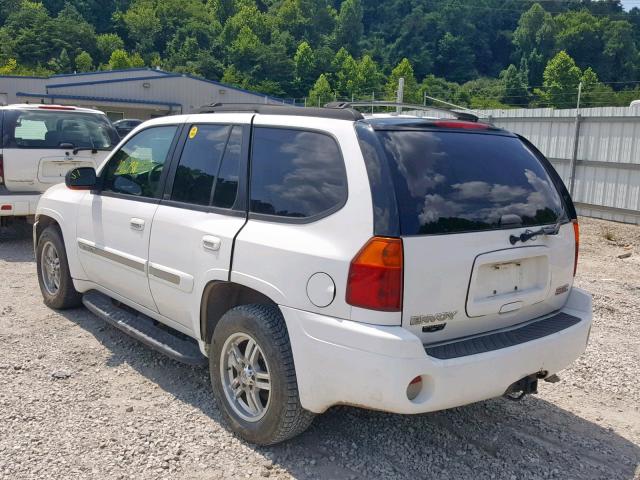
[218, 297]
[43, 221]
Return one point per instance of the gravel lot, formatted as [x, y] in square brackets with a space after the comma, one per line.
[79, 399]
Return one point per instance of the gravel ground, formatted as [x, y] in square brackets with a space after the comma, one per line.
[79, 399]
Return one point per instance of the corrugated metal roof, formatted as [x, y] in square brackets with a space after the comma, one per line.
[99, 99]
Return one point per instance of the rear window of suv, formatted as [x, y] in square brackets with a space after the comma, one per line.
[454, 182]
[50, 129]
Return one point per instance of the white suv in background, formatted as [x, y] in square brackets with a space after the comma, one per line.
[318, 257]
[40, 144]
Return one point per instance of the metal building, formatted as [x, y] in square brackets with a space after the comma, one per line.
[134, 93]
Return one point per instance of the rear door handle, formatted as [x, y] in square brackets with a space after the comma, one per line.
[136, 224]
[211, 243]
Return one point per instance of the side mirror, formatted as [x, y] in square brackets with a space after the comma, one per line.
[83, 178]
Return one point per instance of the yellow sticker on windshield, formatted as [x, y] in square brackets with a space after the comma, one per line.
[193, 132]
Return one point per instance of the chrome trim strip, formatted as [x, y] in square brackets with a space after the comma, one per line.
[164, 275]
[114, 257]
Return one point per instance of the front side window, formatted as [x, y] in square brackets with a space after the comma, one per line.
[50, 129]
[136, 168]
[296, 173]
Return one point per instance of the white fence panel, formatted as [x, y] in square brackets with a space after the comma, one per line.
[607, 173]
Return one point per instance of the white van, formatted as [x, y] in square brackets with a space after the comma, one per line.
[40, 144]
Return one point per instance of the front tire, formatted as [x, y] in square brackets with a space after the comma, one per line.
[253, 375]
[54, 277]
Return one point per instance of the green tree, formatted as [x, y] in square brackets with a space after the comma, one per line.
[10, 68]
[620, 59]
[346, 74]
[84, 62]
[232, 76]
[349, 26]
[142, 25]
[305, 67]
[136, 60]
[595, 93]
[516, 88]
[368, 77]
[64, 62]
[107, 43]
[455, 58]
[321, 92]
[561, 79]
[535, 39]
[404, 69]
[484, 93]
[119, 60]
[536, 31]
[441, 89]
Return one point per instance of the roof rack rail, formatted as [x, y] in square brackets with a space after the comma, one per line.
[275, 109]
[470, 117]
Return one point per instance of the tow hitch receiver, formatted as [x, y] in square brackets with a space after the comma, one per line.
[522, 387]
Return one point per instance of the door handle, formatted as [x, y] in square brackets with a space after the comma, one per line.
[211, 243]
[136, 224]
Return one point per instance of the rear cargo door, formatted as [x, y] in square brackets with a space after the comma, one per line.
[39, 145]
[53, 167]
[461, 197]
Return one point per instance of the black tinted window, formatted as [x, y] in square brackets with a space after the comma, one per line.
[296, 173]
[136, 168]
[199, 163]
[227, 182]
[450, 182]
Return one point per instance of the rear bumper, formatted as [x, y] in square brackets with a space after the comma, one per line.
[18, 205]
[343, 362]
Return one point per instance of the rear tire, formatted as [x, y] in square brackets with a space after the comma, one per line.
[54, 277]
[253, 375]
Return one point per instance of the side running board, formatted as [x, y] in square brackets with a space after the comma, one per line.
[159, 337]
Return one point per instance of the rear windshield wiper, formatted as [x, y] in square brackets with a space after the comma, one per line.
[532, 234]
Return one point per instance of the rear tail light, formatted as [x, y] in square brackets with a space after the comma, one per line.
[576, 233]
[1, 169]
[375, 276]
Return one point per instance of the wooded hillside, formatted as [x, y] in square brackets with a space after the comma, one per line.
[480, 53]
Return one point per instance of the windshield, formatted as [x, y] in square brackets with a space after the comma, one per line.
[50, 129]
[452, 182]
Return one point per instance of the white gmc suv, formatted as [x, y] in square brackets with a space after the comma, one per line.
[317, 257]
[39, 144]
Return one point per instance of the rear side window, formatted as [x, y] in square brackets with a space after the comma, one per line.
[50, 129]
[296, 173]
[451, 182]
[199, 164]
[207, 173]
[226, 189]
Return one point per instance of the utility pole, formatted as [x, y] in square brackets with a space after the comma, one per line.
[576, 143]
[400, 96]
